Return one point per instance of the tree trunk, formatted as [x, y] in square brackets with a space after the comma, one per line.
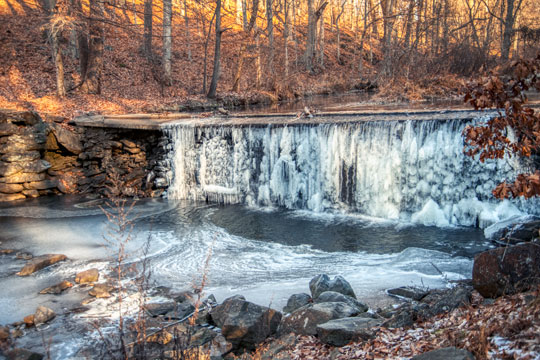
[270, 33]
[92, 82]
[508, 33]
[311, 37]
[188, 36]
[321, 40]
[217, 53]
[410, 12]
[59, 64]
[147, 40]
[167, 40]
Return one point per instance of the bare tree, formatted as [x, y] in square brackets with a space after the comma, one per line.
[217, 53]
[92, 81]
[147, 37]
[167, 41]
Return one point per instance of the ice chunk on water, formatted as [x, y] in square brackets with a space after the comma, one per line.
[430, 215]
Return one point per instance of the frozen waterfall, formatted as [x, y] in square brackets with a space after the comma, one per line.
[404, 169]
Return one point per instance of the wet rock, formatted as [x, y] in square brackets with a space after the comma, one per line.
[322, 283]
[23, 255]
[296, 301]
[243, 323]
[40, 262]
[507, 270]
[11, 197]
[332, 296]
[340, 332]
[6, 251]
[449, 353]
[57, 289]
[160, 308]
[100, 291]
[408, 292]
[163, 337]
[514, 230]
[29, 320]
[87, 276]
[304, 321]
[22, 354]
[43, 314]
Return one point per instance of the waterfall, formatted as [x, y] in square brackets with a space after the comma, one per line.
[404, 169]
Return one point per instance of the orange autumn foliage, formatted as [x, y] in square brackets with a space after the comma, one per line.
[516, 129]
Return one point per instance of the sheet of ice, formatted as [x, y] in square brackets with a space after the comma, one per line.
[387, 169]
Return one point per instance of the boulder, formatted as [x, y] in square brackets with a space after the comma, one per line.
[507, 270]
[22, 354]
[159, 308]
[39, 262]
[449, 353]
[304, 321]
[340, 332]
[57, 289]
[514, 230]
[70, 140]
[243, 323]
[87, 276]
[332, 296]
[322, 283]
[402, 318]
[100, 291]
[43, 314]
[296, 301]
[408, 292]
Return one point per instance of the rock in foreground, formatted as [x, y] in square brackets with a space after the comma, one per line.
[304, 321]
[40, 262]
[340, 332]
[87, 276]
[57, 289]
[243, 323]
[322, 283]
[507, 270]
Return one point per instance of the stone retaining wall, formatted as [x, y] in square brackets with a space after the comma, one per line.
[47, 157]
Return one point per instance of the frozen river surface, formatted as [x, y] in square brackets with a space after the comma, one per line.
[264, 254]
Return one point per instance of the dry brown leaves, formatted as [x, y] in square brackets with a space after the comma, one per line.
[507, 329]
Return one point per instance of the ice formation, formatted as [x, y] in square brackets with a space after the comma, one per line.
[410, 170]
